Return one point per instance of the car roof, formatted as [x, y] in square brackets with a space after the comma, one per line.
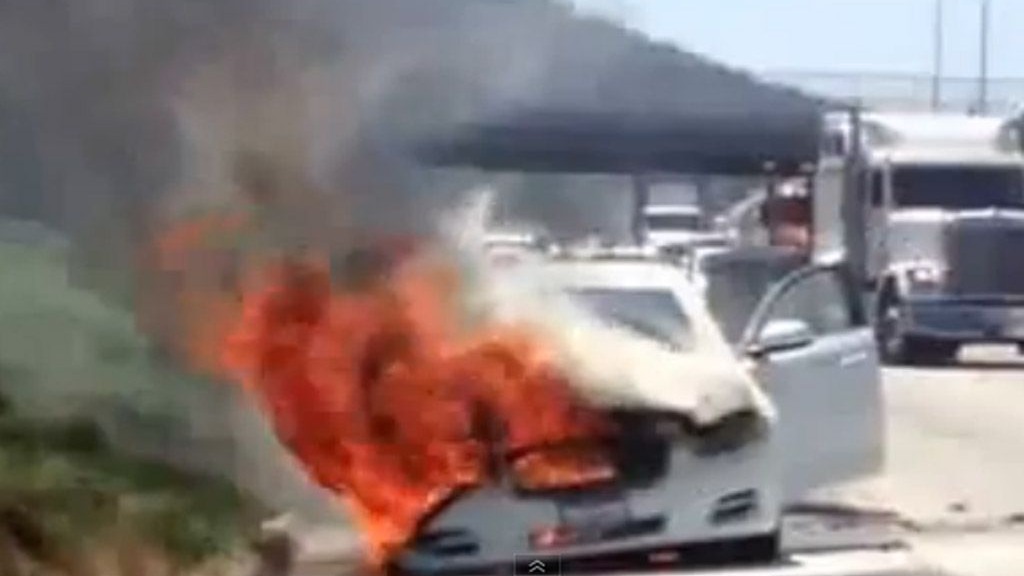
[670, 210]
[621, 273]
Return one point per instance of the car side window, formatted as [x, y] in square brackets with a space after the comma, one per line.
[820, 300]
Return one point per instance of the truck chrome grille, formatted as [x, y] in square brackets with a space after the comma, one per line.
[984, 258]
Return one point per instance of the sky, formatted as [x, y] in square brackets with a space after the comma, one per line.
[831, 35]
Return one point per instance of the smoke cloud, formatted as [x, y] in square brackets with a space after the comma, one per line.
[119, 115]
[116, 111]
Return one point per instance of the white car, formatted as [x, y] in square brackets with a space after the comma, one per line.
[675, 226]
[807, 345]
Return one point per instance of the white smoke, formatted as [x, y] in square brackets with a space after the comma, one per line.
[609, 365]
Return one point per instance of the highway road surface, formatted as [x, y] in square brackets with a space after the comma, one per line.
[955, 463]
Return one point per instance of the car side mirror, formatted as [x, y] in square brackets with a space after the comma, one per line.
[780, 335]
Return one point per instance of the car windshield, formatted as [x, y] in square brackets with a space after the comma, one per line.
[957, 188]
[668, 222]
[654, 314]
[736, 287]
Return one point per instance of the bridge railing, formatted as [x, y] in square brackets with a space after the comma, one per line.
[895, 91]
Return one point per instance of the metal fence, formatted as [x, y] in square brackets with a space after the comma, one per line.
[895, 91]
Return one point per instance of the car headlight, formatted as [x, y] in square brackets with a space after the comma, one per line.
[727, 435]
[926, 275]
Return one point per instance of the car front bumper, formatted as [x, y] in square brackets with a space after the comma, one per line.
[497, 522]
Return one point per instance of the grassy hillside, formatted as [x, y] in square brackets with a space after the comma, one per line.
[67, 501]
[72, 372]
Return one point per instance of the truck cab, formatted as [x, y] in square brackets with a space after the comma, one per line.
[939, 211]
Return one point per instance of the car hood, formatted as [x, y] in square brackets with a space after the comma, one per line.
[614, 368]
[703, 383]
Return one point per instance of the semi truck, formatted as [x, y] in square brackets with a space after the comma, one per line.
[929, 211]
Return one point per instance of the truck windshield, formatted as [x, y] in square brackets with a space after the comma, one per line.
[958, 187]
[654, 314]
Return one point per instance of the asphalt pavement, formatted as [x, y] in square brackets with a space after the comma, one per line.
[954, 479]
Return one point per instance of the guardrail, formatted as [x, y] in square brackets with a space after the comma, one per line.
[898, 91]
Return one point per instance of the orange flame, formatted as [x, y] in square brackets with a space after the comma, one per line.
[385, 402]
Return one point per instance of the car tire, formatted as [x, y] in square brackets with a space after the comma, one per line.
[764, 549]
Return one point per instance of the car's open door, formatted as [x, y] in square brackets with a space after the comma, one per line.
[814, 352]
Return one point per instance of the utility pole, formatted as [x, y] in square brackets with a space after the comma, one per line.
[983, 54]
[938, 48]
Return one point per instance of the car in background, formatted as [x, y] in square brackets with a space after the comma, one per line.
[806, 344]
[678, 226]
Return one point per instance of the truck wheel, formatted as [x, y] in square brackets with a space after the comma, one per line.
[894, 346]
[936, 351]
[900, 349]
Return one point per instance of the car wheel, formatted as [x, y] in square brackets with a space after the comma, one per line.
[764, 548]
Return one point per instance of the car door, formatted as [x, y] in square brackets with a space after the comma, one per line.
[826, 385]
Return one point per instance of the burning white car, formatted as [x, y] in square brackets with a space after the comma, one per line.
[702, 470]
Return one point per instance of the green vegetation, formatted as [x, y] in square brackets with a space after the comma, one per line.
[75, 493]
[73, 371]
